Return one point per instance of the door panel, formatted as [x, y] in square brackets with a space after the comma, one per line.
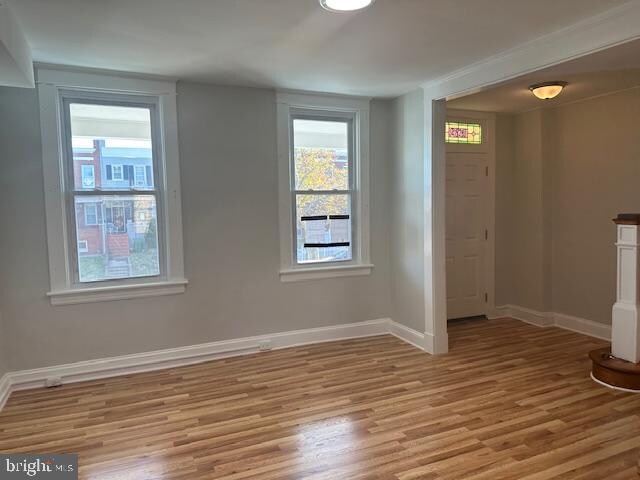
[466, 197]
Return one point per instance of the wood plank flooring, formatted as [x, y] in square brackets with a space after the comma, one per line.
[511, 401]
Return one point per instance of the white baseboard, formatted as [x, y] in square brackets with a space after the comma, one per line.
[5, 389]
[553, 319]
[174, 357]
[408, 335]
[539, 319]
[582, 325]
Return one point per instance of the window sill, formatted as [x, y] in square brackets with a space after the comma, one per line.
[317, 273]
[119, 292]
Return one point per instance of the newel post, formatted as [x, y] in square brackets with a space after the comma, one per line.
[619, 366]
[625, 335]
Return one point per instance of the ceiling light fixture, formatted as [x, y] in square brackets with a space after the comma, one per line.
[547, 90]
[345, 5]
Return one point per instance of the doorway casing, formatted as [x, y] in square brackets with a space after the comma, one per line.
[613, 27]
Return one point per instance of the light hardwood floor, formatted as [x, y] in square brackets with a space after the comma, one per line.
[511, 401]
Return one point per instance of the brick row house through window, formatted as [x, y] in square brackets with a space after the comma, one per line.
[112, 228]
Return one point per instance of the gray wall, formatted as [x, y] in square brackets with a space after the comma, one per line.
[230, 214]
[407, 212]
[561, 178]
[504, 211]
[596, 172]
[527, 221]
[522, 217]
[4, 360]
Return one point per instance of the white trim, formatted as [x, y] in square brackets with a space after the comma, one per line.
[323, 101]
[613, 387]
[553, 319]
[84, 249]
[86, 206]
[613, 27]
[120, 168]
[136, 169]
[189, 355]
[80, 78]
[407, 334]
[434, 227]
[359, 107]
[5, 389]
[116, 292]
[318, 273]
[92, 169]
[582, 325]
[52, 84]
[528, 315]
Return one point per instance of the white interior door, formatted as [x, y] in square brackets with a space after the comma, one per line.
[466, 235]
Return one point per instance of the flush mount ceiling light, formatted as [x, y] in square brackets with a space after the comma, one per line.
[547, 90]
[345, 5]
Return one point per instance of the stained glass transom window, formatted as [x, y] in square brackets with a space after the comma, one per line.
[469, 133]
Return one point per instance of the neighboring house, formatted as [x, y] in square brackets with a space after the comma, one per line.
[126, 167]
[111, 227]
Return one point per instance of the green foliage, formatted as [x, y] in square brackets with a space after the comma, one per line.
[91, 267]
[151, 236]
[316, 169]
[145, 263]
[139, 244]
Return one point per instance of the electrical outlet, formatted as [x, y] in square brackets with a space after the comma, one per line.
[265, 346]
[53, 382]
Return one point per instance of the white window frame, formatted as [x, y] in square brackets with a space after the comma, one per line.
[290, 105]
[53, 87]
[95, 206]
[84, 249]
[93, 175]
[120, 168]
[137, 168]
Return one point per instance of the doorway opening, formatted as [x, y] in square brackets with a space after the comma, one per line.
[470, 166]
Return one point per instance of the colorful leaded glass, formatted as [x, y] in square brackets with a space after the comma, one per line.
[469, 133]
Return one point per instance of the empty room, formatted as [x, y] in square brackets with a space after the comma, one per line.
[320, 239]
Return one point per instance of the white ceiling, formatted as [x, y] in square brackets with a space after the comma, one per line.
[386, 50]
[610, 70]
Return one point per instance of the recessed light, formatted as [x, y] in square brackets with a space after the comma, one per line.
[345, 5]
[547, 90]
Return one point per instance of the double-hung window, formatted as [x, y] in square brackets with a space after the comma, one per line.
[90, 215]
[324, 207]
[88, 176]
[117, 173]
[112, 232]
[140, 175]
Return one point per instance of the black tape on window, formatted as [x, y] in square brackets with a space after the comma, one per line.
[327, 245]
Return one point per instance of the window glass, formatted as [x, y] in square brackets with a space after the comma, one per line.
[322, 164]
[120, 233]
[113, 141]
[321, 154]
[140, 176]
[466, 133]
[323, 228]
[90, 214]
[88, 176]
[116, 231]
